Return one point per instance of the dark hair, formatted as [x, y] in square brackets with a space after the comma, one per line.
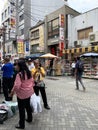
[24, 69]
[78, 58]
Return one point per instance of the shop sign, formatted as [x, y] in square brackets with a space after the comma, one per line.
[83, 49]
[61, 46]
[77, 50]
[20, 46]
[96, 48]
[89, 48]
[27, 45]
[61, 20]
[72, 50]
[61, 32]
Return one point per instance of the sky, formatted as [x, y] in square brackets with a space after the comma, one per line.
[79, 5]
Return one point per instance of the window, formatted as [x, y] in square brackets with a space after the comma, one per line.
[2, 16]
[8, 10]
[53, 28]
[21, 17]
[35, 34]
[84, 33]
[5, 13]
[22, 31]
[34, 48]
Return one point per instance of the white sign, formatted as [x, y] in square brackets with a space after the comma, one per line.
[61, 34]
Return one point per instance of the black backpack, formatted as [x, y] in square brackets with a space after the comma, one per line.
[80, 66]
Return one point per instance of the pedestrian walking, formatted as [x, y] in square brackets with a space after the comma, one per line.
[7, 82]
[23, 87]
[73, 68]
[39, 74]
[78, 73]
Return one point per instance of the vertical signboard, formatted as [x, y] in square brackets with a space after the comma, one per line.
[61, 34]
[61, 20]
[20, 46]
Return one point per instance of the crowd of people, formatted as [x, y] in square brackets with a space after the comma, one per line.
[23, 78]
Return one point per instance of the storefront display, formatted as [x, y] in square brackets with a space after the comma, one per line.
[90, 67]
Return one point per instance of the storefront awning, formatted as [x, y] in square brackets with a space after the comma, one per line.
[81, 50]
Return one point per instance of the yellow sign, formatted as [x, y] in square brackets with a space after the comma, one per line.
[78, 50]
[20, 46]
[89, 48]
[72, 50]
[96, 48]
[83, 49]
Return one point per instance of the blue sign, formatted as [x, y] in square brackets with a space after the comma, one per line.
[27, 45]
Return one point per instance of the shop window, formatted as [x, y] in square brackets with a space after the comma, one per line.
[84, 33]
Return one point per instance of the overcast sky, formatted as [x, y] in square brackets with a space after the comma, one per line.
[79, 5]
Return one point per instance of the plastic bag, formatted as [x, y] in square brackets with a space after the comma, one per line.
[3, 115]
[35, 103]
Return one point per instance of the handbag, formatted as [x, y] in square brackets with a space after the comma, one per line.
[40, 84]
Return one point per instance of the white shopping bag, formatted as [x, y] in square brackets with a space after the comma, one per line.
[35, 103]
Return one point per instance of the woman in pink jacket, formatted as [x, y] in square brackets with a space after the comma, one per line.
[23, 87]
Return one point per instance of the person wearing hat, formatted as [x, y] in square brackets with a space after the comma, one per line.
[30, 64]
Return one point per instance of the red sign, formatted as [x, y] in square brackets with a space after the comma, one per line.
[61, 46]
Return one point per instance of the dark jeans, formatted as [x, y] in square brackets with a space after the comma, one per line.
[7, 86]
[22, 105]
[79, 78]
[43, 93]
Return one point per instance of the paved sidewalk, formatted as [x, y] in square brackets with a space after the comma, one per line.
[70, 109]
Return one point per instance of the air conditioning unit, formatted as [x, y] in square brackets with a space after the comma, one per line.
[93, 37]
[77, 43]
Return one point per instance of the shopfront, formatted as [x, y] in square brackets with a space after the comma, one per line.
[90, 62]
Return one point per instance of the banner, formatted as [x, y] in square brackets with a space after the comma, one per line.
[61, 20]
[27, 45]
[20, 46]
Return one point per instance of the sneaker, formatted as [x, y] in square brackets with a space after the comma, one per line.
[19, 127]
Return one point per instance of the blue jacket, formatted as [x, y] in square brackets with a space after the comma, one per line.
[7, 70]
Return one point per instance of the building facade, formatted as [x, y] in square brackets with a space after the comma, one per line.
[56, 28]
[37, 42]
[8, 36]
[23, 24]
[83, 33]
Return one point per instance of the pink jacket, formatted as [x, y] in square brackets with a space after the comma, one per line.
[23, 88]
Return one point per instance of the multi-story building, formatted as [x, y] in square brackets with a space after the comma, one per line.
[23, 24]
[8, 22]
[37, 42]
[56, 30]
[83, 33]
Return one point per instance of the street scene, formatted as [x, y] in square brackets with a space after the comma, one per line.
[48, 64]
[70, 109]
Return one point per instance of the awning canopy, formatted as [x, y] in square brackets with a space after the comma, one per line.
[81, 50]
[34, 56]
[91, 54]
